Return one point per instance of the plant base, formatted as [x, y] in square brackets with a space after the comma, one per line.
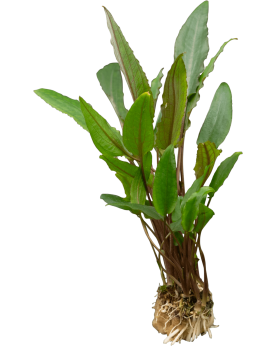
[175, 316]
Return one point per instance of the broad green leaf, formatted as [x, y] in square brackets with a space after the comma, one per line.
[174, 104]
[207, 154]
[176, 214]
[208, 69]
[193, 41]
[126, 184]
[164, 192]
[218, 120]
[204, 216]
[156, 85]
[111, 82]
[223, 172]
[150, 180]
[194, 188]
[119, 202]
[105, 138]
[134, 75]
[176, 226]
[157, 122]
[191, 208]
[123, 168]
[63, 104]
[138, 130]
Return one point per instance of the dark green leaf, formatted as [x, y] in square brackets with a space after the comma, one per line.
[138, 190]
[173, 107]
[165, 187]
[121, 167]
[111, 82]
[157, 122]
[126, 184]
[176, 214]
[218, 120]
[193, 41]
[156, 85]
[204, 216]
[63, 104]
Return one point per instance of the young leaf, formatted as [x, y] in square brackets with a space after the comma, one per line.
[191, 208]
[208, 69]
[138, 130]
[174, 104]
[63, 104]
[111, 82]
[206, 156]
[123, 168]
[105, 138]
[126, 182]
[193, 41]
[119, 202]
[223, 172]
[134, 75]
[218, 120]
[204, 216]
[156, 85]
[165, 187]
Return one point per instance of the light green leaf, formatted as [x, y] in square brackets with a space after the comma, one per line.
[165, 187]
[123, 168]
[191, 208]
[223, 172]
[207, 154]
[63, 104]
[134, 75]
[138, 130]
[218, 120]
[208, 69]
[193, 41]
[119, 202]
[111, 82]
[204, 216]
[173, 107]
[176, 226]
[176, 214]
[105, 138]
[156, 85]
[126, 182]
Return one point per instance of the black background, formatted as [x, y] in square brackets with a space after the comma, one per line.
[96, 262]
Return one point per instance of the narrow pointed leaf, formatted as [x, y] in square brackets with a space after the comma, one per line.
[208, 69]
[138, 130]
[157, 122]
[63, 104]
[165, 187]
[191, 208]
[156, 85]
[204, 216]
[173, 107]
[111, 82]
[218, 120]
[207, 154]
[119, 202]
[223, 172]
[126, 182]
[176, 214]
[105, 138]
[134, 75]
[138, 190]
[193, 41]
[121, 167]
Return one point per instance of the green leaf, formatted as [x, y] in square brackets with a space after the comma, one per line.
[191, 208]
[208, 69]
[164, 192]
[134, 75]
[174, 104]
[207, 154]
[105, 138]
[193, 41]
[126, 184]
[157, 122]
[138, 130]
[223, 172]
[156, 85]
[176, 226]
[111, 82]
[119, 202]
[194, 188]
[176, 214]
[204, 216]
[218, 120]
[138, 190]
[63, 104]
[123, 168]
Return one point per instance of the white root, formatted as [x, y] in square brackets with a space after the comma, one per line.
[179, 335]
[213, 326]
[168, 338]
[209, 332]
